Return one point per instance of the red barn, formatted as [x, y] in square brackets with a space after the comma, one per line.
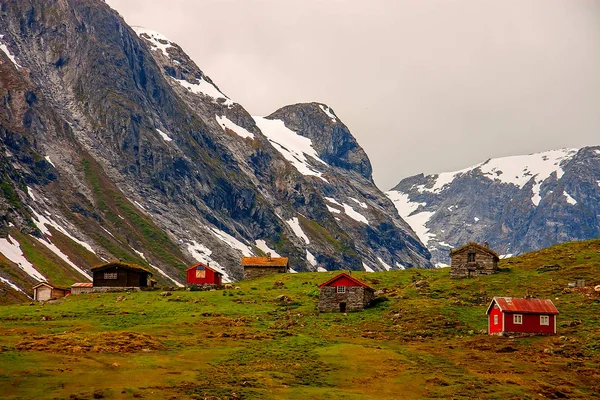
[344, 293]
[202, 274]
[512, 315]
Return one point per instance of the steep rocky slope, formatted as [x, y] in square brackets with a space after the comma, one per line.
[116, 145]
[517, 204]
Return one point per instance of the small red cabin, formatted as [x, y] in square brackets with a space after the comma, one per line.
[344, 293]
[202, 274]
[512, 315]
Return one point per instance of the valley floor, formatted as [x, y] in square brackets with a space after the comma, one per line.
[424, 339]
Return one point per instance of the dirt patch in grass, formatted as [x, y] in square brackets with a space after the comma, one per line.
[104, 342]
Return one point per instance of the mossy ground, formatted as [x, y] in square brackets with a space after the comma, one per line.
[422, 339]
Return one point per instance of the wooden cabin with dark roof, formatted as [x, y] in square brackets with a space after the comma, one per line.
[255, 267]
[472, 260]
[344, 293]
[121, 275]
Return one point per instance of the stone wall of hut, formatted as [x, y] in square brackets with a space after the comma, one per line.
[484, 264]
[356, 298]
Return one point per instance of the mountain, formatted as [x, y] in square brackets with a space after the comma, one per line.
[115, 145]
[516, 204]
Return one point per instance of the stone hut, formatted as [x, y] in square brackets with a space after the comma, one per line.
[344, 293]
[255, 267]
[473, 259]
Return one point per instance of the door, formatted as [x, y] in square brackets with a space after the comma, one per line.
[342, 307]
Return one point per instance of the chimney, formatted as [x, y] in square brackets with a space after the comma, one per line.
[268, 256]
[486, 245]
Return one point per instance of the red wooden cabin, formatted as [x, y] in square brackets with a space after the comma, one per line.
[512, 315]
[203, 274]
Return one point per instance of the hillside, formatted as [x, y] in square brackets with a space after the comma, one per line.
[423, 338]
[516, 204]
[114, 144]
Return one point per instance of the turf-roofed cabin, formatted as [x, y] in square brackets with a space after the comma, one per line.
[472, 260]
[203, 274]
[121, 275]
[255, 267]
[344, 293]
[513, 315]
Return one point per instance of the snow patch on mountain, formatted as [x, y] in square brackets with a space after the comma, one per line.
[333, 210]
[52, 247]
[204, 88]
[293, 147]
[367, 268]
[408, 211]
[354, 214]
[570, 199]
[11, 57]
[11, 249]
[156, 40]
[42, 222]
[311, 259]
[50, 161]
[385, 265]
[360, 203]
[12, 285]
[225, 123]
[160, 271]
[163, 135]
[261, 244]
[294, 224]
[232, 242]
[329, 113]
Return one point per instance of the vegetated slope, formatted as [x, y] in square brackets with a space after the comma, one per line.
[516, 204]
[116, 145]
[425, 338]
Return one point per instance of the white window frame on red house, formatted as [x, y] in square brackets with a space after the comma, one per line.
[495, 320]
[518, 319]
[341, 289]
[544, 320]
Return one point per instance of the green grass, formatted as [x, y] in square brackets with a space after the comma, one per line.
[421, 340]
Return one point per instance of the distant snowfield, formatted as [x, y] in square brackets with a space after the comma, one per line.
[515, 170]
[293, 147]
[204, 88]
[261, 244]
[10, 56]
[157, 40]
[12, 285]
[294, 224]
[163, 135]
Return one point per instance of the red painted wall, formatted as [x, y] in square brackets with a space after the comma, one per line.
[494, 328]
[210, 277]
[343, 281]
[531, 324]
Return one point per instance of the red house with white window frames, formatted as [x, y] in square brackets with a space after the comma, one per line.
[202, 274]
[344, 293]
[514, 315]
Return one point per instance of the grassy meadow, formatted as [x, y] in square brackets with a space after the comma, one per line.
[423, 339]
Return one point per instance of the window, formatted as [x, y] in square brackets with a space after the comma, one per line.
[518, 319]
[341, 289]
[471, 257]
[544, 320]
[110, 275]
[495, 320]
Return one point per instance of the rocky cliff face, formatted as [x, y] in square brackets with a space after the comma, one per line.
[116, 145]
[517, 204]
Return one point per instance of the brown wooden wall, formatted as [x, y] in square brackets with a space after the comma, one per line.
[125, 278]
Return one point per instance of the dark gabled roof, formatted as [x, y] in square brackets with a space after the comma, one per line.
[525, 306]
[473, 244]
[264, 262]
[133, 267]
[342, 275]
[195, 266]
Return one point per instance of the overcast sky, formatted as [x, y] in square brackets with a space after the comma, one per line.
[424, 85]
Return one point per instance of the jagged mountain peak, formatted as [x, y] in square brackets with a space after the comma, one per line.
[516, 203]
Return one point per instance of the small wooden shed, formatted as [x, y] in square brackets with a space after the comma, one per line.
[255, 267]
[514, 315]
[82, 287]
[472, 260]
[344, 293]
[203, 274]
[44, 291]
[119, 274]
